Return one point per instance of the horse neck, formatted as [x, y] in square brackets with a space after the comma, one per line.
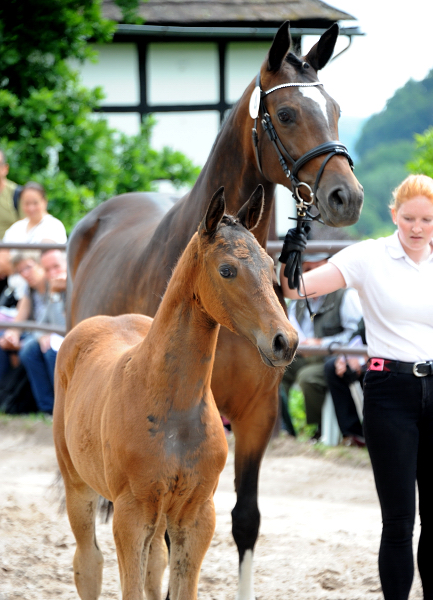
[232, 163]
[180, 346]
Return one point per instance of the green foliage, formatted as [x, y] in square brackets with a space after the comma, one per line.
[129, 10]
[48, 126]
[380, 171]
[297, 414]
[422, 161]
[37, 36]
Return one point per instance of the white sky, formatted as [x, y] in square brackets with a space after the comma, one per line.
[397, 46]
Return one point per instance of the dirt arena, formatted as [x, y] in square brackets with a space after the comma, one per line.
[319, 533]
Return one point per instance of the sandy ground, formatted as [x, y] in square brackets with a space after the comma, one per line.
[319, 533]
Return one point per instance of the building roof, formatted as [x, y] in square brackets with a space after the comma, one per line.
[229, 12]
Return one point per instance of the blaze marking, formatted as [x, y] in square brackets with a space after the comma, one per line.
[316, 96]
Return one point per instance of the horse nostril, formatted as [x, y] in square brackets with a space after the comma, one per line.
[280, 344]
[338, 198]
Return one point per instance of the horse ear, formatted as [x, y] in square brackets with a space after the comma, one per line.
[280, 47]
[250, 213]
[321, 52]
[214, 214]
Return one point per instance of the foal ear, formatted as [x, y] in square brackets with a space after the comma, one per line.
[214, 214]
[250, 213]
[280, 47]
[321, 52]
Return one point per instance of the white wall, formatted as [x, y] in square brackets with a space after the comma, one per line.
[244, 60]
[191, 132]
[182, 73]
[116, 71]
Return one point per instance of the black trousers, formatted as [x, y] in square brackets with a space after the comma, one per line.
[398, 427]
[345, 409]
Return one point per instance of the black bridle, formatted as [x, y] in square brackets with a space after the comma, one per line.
[329, 148]
[304, 217]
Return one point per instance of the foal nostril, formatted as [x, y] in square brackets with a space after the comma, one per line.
[280, 345]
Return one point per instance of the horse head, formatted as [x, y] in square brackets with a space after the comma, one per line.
[295, 132]
[236, 286]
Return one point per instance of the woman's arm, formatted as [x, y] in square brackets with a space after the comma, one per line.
[320, 281]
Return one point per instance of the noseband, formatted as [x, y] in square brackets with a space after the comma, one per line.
[330, 148]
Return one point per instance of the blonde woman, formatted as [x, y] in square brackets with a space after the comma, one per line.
[394, 279]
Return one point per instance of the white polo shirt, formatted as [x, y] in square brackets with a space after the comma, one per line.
[396, 296]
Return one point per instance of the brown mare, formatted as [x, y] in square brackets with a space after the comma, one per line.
[122, 253]
[135, 419]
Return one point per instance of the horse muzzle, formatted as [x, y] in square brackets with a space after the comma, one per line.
[341, 204]
[279, 351]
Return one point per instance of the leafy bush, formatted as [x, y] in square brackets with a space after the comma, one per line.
[297, 413]
[422, 161]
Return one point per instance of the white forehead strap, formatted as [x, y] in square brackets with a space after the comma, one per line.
[284, 85]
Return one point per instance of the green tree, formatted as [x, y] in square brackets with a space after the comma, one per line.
[380, 171]
[47, 122]
[409, 111]
[422, 161]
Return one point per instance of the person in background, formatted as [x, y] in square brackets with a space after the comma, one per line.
[38, 355]
[31, 307]
[9, 191]
[337, 318]
[394, 278]
[340, 373]
[37, 224]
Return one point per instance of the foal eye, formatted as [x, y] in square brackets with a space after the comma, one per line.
[227, 271]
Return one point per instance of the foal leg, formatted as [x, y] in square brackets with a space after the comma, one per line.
[81, 504]
[188, 545]
[156, 562]
[133, 529]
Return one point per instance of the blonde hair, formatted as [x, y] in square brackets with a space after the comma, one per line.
[413, 185]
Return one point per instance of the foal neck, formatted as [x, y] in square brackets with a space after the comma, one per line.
[181, 342]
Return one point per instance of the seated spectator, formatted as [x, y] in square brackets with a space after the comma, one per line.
[30, 307]
[37, 224]
[340, 372]
[39, 354]
[336, 319]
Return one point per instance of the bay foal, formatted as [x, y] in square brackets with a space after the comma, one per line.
[135, 419]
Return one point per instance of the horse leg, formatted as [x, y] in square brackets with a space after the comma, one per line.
[189, 543]
[133, 529]
[81, 505]
[252, 434]
[156, 562]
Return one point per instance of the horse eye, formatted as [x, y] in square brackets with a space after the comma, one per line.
[284, 116]
[227, 271]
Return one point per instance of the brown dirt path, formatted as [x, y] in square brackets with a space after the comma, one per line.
[319, 533]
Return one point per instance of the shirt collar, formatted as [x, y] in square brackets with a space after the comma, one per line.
[394, 246]
[396, 250]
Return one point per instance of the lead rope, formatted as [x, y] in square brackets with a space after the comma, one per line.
[303, 219]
